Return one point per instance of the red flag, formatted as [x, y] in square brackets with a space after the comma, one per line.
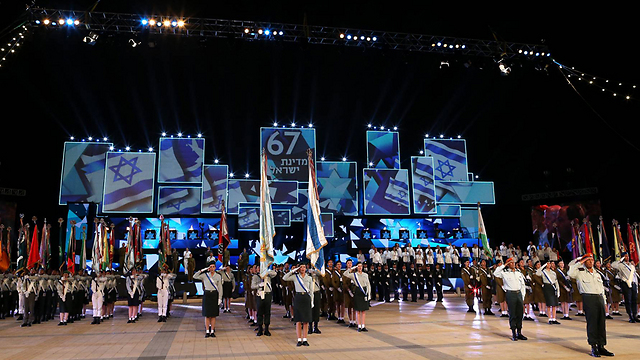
[34, 252]
[223, 236]
[587, 241]
[633, 253]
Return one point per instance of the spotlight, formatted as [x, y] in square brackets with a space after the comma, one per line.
[381, 127]
[370, 164]
[199, 135]
[127, 148]
[426, 135]
[293, 124]
[267, 32]
[369, 125]
[150, 149]
[322, 158]
[104, 139]
[395, 128]
[145, 22]
[341, 36]
[260, 31]
[61, 21]
[441, 136]
[459, 136]
[164, 133]
[348, 37]
[152, 22]
[179, 134]
[477, 176]
[421, 152]
[246, 30]
[91, 38]
[361, 37]
[344, 159]
[46, 21]
[374, 38]
[216, 161]
[174, 23]
[166, 23]
[310, 125]
[246, 176]
[90, 138]
[280, 33]
[181, 23]
[77, 22]
[368, 38]
[72, 138]
[111, 148]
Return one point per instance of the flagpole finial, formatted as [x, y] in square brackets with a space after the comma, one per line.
[34, 219]
[60, 221]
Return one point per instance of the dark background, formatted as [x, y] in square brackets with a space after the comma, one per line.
[529, 131]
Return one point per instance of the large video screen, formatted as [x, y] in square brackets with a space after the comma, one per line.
[386, 192]
[449, 158]
[214, 188]
[78, 212]
[129, 182]
[181, 160]
[248, 191]
[287, 152]
[82, 177]
[544, 217]
[383, 149]
[338, 187]
[423, 186]
[179, 200]
[465, 192]
[299, 211]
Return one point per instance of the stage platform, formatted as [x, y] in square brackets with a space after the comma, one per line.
[402, 330]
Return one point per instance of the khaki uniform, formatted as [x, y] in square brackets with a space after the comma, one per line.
[468, 279]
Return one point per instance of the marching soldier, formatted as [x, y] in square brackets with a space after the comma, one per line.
[437, 279]
[338, 295]
[362, 294]
[347, 293]
[30, 289]
[467, 278]
[163, 284]
[616, 296]
[514, 285]
[486, 277]
[629, 283]
[262, 285]
[592, 289]
[98, 282]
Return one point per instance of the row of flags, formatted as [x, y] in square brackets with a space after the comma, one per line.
[585, 240]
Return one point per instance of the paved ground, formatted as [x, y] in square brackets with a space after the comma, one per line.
[396, 331]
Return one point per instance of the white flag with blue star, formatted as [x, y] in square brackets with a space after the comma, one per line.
[267, 227]
[129, 181]
[315, 231]
[449, 158]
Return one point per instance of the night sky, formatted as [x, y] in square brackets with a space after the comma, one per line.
[529, 132]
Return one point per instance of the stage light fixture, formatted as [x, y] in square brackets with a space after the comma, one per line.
[54, 23]
[46, 21]
[421, 152]
[441, 136]
[341, 36]
[267, 32]
[72, 138]
[179, 134]
[374, 38]
[426, 135]
[439, 43]
[246, 30]
[344, 159]
[76, 22]
[152, 22]
[260, 31]
[477, 176]
[459, 136]
[91, 38]
[104, 139]
[150, 149]
[180, 23]
[127, 148]
[444, 64]
[348, 37]
[464, 46]
[368, 38]
[275, 124]
[231, 175]
[144, 22]
[381, 127]
[166, 23]
[370, 164]
[395, 128]
[293, 124]
[90, 138]
[322, 158]
[164, 133]
[216, 161]
[369, 125]
[199, 135]
[246, 176]
[174, 23]
[280, 33]
[61, 21]
[133, 43]
[361, 37]
[111, 148]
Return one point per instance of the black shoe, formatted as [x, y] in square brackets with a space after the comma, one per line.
[206, 335]
[594, 351]
[616, 314]
[566, 318]
[129, 321]
[604, 352]
[543, 315]
[299, 343]
[352, 325]
[471, 310]
[316, 330]
[23, 325]
[609, 317]
[341, 321]
[305, 343]
[504, 315]
[95, 321]
[632, 320]
[60, 323]
[556, 322]
[310, 331]
[159, 318]
[488, 312]
[267, 332]
[359, 329]
[521, 337]
[364, 329]
[580, 314]
[20, 317]
[260, 331]
[514, 338]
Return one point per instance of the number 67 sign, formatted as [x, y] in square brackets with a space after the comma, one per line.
[287, 152]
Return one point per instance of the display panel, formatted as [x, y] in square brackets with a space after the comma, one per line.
[449, 158]
[386, 192]
[299, 211]
[248, 191]
[129, 182]
[179, 200]
[423, 186]
[327, 224]
[287, 152]
[465, 192]
[181, 160]
[543, 218]
[383, 149]
[214, 188]
[359, 227]
[338, 187]
[448, 211]
[249, 217]
[82, 177]
[78, 212]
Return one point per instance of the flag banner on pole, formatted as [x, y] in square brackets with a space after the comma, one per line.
[130, 260]
[96, 256]
[636, 237]
[586, 239]
[575, 240]
[482, 235]
[223, 234]
[605, 251]
[71, 252]
[34, 252]
[83, 250]
[592, 240]
[633, 253]
[316, 240]
[267, 227]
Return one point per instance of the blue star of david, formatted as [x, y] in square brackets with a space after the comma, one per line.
[405, 235]
[402, 194]
[177, 204]
[123, 162]
[459, 235]
[444, 174]
[193, 236]
[366, 236]
[217, 204]
[425, 180]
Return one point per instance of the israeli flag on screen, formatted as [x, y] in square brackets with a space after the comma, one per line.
[398, 189]
[449, 158]
[179, 200]
[128, 184]
[181, 160]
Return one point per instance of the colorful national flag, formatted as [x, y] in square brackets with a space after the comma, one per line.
[482, 235]
[34, 251]
[130, 259]
[267, 227]
[316, 240]
[633, 250]
[98, 251]
[223, 234]
[605, 251]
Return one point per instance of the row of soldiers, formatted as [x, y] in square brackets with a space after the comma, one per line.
[34, 296]
[562, 289]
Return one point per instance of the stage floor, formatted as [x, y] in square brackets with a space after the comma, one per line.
[402, 330]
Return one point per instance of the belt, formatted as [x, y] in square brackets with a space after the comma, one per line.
[513, 291]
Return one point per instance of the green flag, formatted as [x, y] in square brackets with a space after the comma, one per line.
[482, 235]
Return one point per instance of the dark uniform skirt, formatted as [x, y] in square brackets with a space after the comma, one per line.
[133, 300]
[65, 303]
[359, 302]
[302, 308]
[227, 289]
[112, 296]
[550, 297]
[210, 304]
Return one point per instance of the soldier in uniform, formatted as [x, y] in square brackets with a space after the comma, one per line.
[163, 284]
[396, 278]
[362, 294]
[514, 285]
[592, 289]
[467, 278]
[528, 282]
[338, 295]
[500, 294]
[379, 282]
[65, 294]
[287, 293]
[347, 293]
[629, 284]
[421, 279]
[30, 290]
[327, 280]
[485, 279]
[616, 296]
[538, 292]
[550, 288]
[261, 283]
[577, 298]
[437, 279]
[387, 283]
[316, 290]
[607, 288]
[303, 300]
[565, 290]
[404, 282]
[228, 287]
[212, 284]
[97, 295]
[413, 282]
[428, 278]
